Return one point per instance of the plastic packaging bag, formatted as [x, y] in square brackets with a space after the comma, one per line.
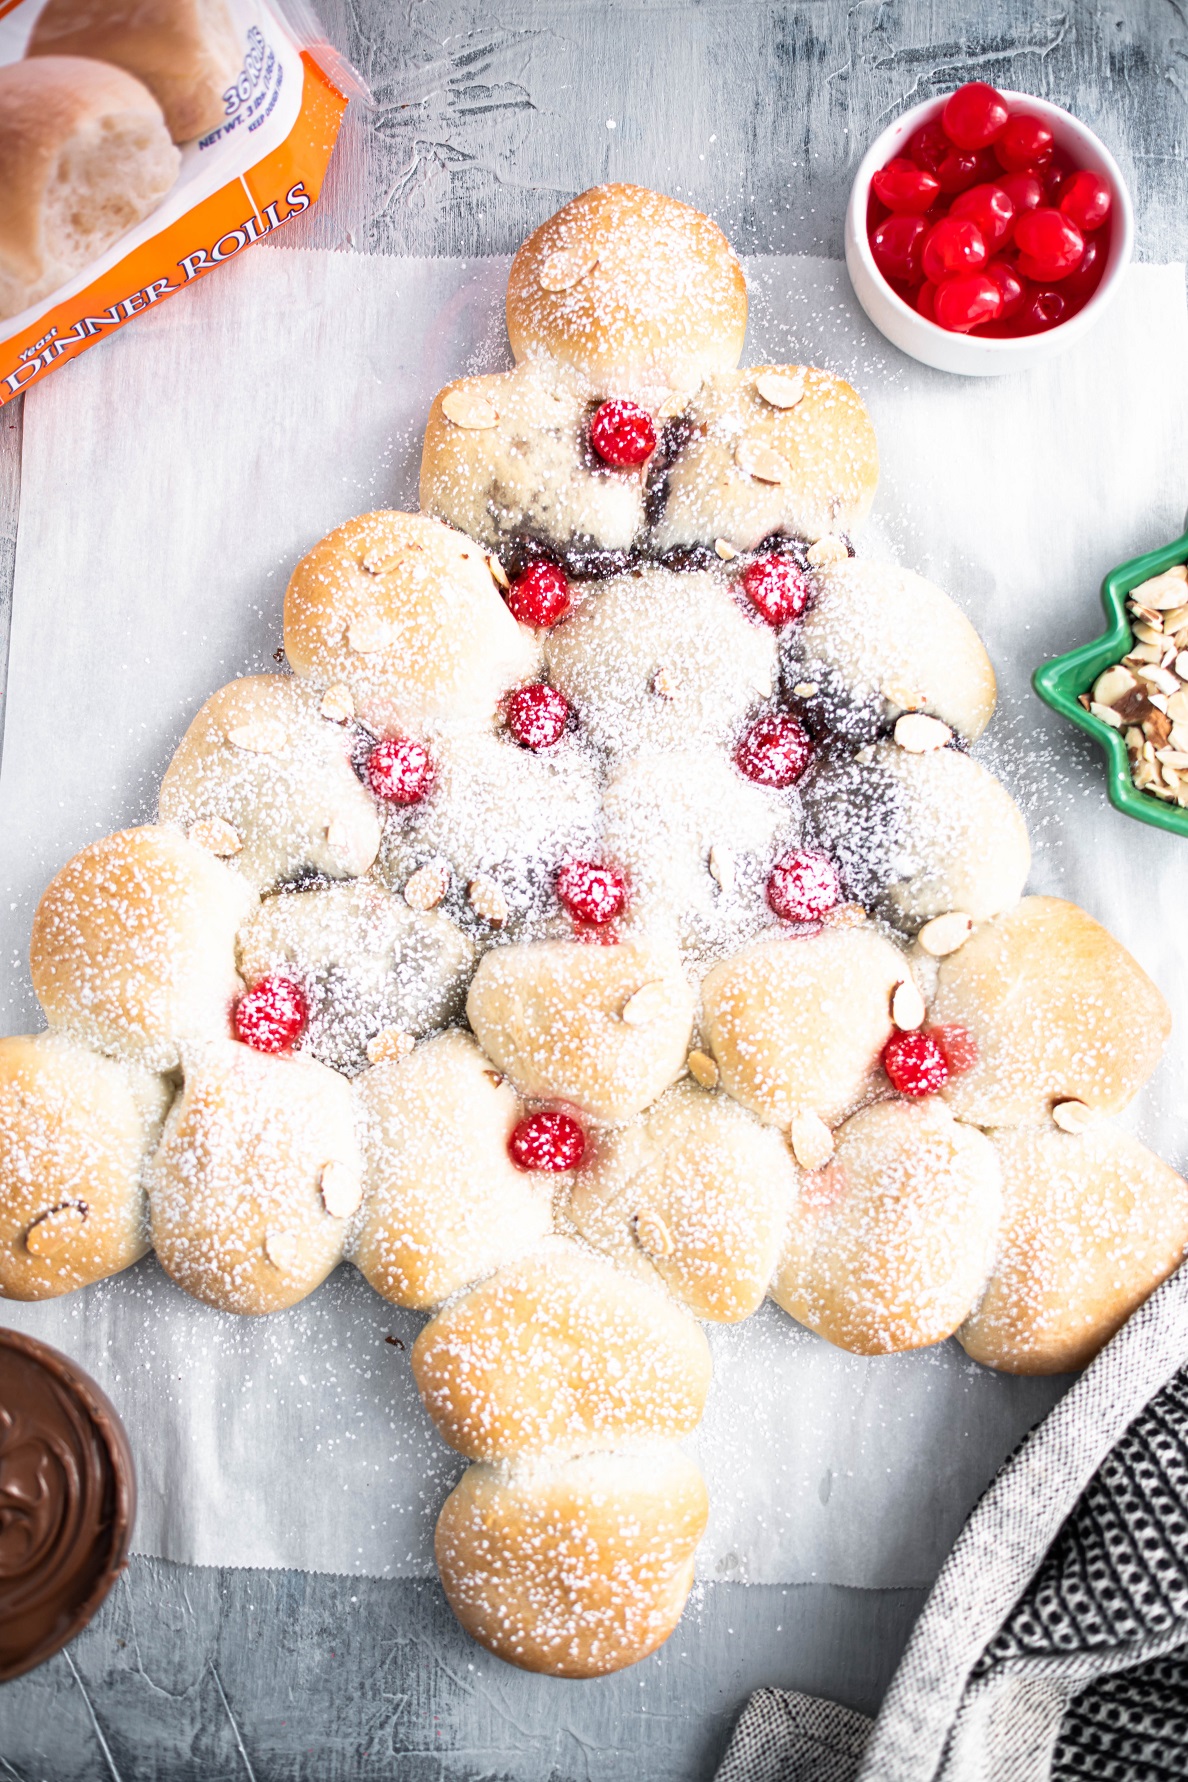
[143, 143]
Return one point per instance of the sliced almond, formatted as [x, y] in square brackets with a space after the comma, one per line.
[919, 734]
[1160, 678]
[944, 934]
[665, 684]
[389, 1046]
[759, 461]
[342, 1189]
[1072, 1116]
[1177, 708]
[466, 408]
[367, 635]
[675, 403]
[496, 1078]
[805, 689]
[1181, 665]
[762, 684]
[425, 888]
[826, 551]
[1149, 633]
[652, 1235]
[722, 866]
[51, 1231]
[1107, 714]
[703, 1069]
[338, 837]
[259, 736]
[216, 835]
[648, 1003]
[726, 551]
[338, 703]
[811, 1141]
[844, 915]
[567, 267]
[498, 572]
[1109, 687]
[1162, 591]
[1176, 758]
[905, 698]
[781, 389]
[378, 562]
[487, 900]
[907, 1006]
[282, 1249]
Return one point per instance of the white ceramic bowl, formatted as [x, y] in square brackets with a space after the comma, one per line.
[967, 354]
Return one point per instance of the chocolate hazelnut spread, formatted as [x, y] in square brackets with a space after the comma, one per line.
[67, 1501]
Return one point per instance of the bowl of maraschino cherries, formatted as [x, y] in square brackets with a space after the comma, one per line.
[987, 230]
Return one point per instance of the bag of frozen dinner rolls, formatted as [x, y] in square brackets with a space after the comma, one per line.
[142, 144]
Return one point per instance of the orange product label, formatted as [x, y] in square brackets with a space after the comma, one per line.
[282, 185]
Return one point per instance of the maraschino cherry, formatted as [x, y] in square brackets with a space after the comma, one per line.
[400, 770]
[540, 595]
[271, 1015]
[777, 587]
[803, 886]
[775, 751]
[547, 1141]
[590, 891]
[623, 434]
[537, 715]
[915, 1063]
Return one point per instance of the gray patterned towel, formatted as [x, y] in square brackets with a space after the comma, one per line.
[1054, 1646]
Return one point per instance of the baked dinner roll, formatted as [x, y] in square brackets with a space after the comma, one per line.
[187, 52]
[374, 971]
[265, 782]
[878, 641]
[496, 812]
[695, 1192]
[445, 1204]
[576, 1568]
[255, 1179]
[404, 615]
[798, 1026]
[1058, 1011]
[507, 459]
[76, 1130]
[657, 660]
[1092, 1223]
[917, 835]
[560, 1353]
[603, 1027]
[84, 157]
[799, 460]
[891, 1242]
[133, 947]
[633, 290]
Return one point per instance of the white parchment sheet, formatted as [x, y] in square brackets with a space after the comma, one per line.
[171, 479]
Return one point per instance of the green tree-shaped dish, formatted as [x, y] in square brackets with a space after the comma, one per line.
[1060, 681]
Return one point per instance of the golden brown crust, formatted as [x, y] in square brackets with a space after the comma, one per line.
[1091, 1224]
[576, 1570]
[651, 294]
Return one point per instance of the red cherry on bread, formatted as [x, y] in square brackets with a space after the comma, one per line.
[777, 587]
[775, 751]
[623, 434]
[271, 1015]
[540, 596]
[537, 715]
[1050, 244]
[547, 1141]
[1026, 141]
[400, 770]
[975, 115]
[915, 1063]
[902, 186]
[591, 892]
[803, 886]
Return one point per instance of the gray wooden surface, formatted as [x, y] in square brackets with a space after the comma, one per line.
[487, 118]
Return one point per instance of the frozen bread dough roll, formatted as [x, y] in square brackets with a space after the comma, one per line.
[575, 1568]
[187, 52]
[84, 157]
[635, 291]
[1058, 1010]
[76, 1131]
[560, 1353]
[891, 1242]
[133, 947]
[1092, 1223]
[445, 1204]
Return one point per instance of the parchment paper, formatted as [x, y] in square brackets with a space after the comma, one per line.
[171, 479]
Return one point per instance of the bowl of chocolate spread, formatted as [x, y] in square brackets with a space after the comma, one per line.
[67, 1501]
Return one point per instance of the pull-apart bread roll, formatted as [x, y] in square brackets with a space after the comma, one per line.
[773, 449]
[797, 1027]
[1059, 1013]
[635, 291]
[133, 947]
[76, 1131]
[445, 1204]
[561, 1353]
[255, 1179]
[696, 1193]
[605, 1028]
[1092, 1223]
[575, 1568]
[187, 52]
[264, 781]
[654, 659]
[891, 1242]
[375, 973]
[878, 641]
[401, 618]
[84, 157]
[918, 834]
[507, 459]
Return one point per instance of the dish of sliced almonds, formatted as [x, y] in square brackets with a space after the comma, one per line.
[1145, 695]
